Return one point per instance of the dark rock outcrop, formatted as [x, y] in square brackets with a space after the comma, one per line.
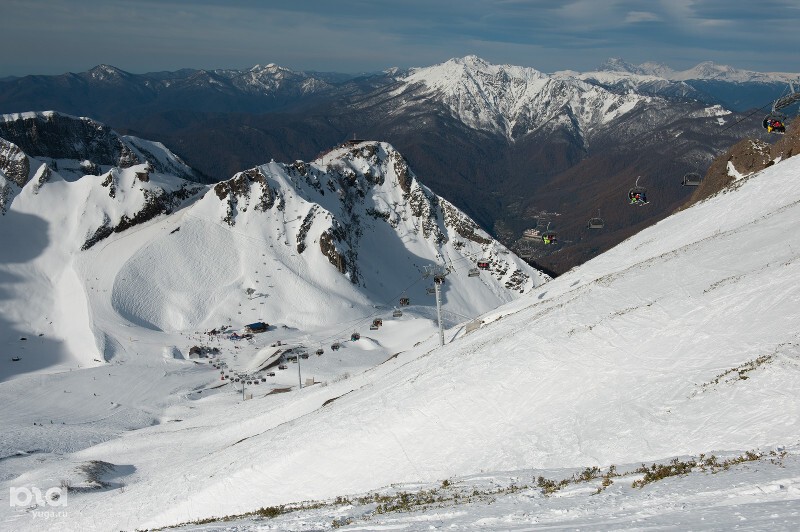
[59, 136]
[327, 244]
[157, 202]
[13, 163]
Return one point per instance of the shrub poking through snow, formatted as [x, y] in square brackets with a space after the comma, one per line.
[677, 467]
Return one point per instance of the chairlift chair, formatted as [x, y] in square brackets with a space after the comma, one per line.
[404, 301]
[355, 336]
[638, 195]
[430, 290]
[596, 223]
[692, 179]
[483, 264]
[549, 237]
[397, 313]
[775, 121]
[474, 272]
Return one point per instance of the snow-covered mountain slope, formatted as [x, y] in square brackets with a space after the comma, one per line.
[681, 340]
[49, 219]
[301, 244]
[511, 100]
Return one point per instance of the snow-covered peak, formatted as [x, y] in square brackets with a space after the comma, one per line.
[515, 100]
[707, 70]
[107, 73]
[272, 78]
[358, 202]
[649, 68]
[615, 64]
[270, 68]
[471, 70]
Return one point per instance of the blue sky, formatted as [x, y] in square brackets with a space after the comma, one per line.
[57, 36]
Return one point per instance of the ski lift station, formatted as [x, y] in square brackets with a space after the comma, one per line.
[257, 327]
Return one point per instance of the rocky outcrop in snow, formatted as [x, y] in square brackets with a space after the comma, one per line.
[152, 201]
[13, 163]
[14, 171]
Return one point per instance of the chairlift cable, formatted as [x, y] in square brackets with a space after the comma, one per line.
[759, 110]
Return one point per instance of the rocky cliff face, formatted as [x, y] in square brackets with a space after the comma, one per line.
[59, 136]
[56, 136]
[13, 163]
[14, 172]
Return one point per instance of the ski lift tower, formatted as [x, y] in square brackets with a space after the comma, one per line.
[241, 377]
[299, 377]
[438, 273]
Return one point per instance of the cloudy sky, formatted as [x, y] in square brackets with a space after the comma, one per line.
[57, 36]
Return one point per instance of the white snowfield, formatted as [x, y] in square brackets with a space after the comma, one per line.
[682, 340]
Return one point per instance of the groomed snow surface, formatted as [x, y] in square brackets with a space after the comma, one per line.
[682, 340]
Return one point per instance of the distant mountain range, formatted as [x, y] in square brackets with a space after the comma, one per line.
[705, 71]
[513, 147]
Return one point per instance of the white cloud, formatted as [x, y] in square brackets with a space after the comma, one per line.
[634, 17]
